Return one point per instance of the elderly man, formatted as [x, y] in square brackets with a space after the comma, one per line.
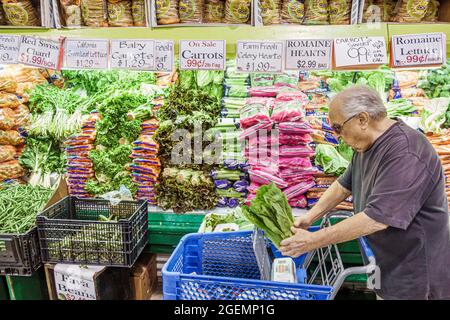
[398, 189]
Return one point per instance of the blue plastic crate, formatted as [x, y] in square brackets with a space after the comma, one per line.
[223, 266]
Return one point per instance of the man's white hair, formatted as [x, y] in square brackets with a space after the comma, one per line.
[360, 98]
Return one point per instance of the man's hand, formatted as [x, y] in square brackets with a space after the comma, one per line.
[301, 242]
[303, 222]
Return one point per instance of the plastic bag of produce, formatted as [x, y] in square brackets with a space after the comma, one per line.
[294, 128]
[263, 177]
[294, 162]
[294, 139]
[190, 11]
[10, 170]
[138, 12]
[2, 16]
[167, 11]
[256, 111]
[296, 151]
[21, 13]
[94, 13]
[378, 10]
[293, 11]
[9, 100]
[288, 108]
[7, 120]
[237, 11]
[8, 85]
[119, 13]
[71, 12]
[316, 12]
[10, 137]
[287, 79]
[340, 11]
[7, 153]
[262, 80]
[270, 11]
[432, 11]
[21, 116]
[214, 11]
[412, 11]
[324, 137]
[264, 92]
[298, 202]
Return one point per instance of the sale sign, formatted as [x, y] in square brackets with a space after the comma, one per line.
[359, 51]
[39, 52]
[259, 56]
[308, 54]
[202, 54]
[418, 49]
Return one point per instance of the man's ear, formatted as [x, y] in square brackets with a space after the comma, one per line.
[363, 120]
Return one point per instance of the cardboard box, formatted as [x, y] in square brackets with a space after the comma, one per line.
[74, 282]
[143, 277]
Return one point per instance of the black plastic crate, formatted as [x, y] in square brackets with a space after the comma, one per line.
[69, 232]
[19, 253]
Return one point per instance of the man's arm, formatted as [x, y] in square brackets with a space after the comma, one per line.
[349, 229]
[333, 196]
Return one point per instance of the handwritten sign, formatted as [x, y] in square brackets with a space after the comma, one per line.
[9, 49]
[133, 54]
[86, 54]
[164, 56]
[202, 54]
[418, 49]
[359, 51]
[39, 52]
[259, 56]
[308, 54]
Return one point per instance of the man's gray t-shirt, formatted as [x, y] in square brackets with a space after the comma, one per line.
[400, 182]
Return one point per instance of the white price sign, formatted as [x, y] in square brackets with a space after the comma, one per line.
[259, 56]
[308, 54]
[418, 49]
[9, 49]
[360, 51]
[202, 54]
[133, 54]
[164, 56]
[39, 52]
[86, 54]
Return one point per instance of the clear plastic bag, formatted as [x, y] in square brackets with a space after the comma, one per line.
[340, 11]
[21, 13]
[9, 100]
[7, 153]
[256, 111]
[10, 170]
[316, 12]
[298, 189]
[293, 11]
[237, 11]
[411, 11]
[138, 12]
[72, 12]
[167, 11]
[289, 108]
[296, 151]
[270, 11]
[294, 127]
[120, 14]
[10, 137]
[214, 11]
[190, 11]
[264, 177]
[94, 13]
[432, 11]
[7, 120]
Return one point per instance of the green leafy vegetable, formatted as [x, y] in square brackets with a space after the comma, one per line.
[331, 161]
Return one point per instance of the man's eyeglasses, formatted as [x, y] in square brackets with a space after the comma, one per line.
[338, 127]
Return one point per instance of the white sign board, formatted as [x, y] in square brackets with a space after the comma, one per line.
[133, 54]
[39, 52]
[202, 54]
[308, 54]
[74, 282]
[164, 56]
[418, 49]
[9, 49]
[259, 56]
[86, 54]
[359, 51]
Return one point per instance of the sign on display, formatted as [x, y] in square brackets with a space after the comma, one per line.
[259, 56]
[39, 52]
[133, 54]
[418, 49]
[360, 51]
[308, 54]
[202, 54]
[86, 54]
[164, 56]
[9, 49]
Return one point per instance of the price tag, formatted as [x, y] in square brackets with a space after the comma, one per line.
[133, 54]
[164, 56]
[308, 54]
[259, 56]
[359, 51]
[202, 54]
[39, 52]
[86, 54]
[9, 49]
[418, 49]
